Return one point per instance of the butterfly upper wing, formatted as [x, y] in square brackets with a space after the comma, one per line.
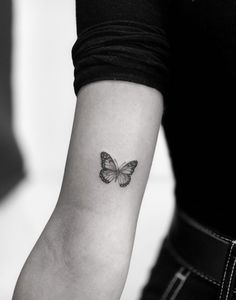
[109, 169]
[107, 162]
[125, 173]
[129, 167]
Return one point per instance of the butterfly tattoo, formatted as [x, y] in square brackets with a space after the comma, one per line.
[110, 170]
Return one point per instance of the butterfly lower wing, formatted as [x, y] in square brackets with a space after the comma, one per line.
[124, 179]
[125, 173]
[107, 162]
[107, 175]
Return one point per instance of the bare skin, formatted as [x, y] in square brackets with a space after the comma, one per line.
[85, 249]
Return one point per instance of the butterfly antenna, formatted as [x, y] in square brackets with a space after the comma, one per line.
[116, 163]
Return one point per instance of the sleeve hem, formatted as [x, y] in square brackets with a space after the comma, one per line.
[120, 76]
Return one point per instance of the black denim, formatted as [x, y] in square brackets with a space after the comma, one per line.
[172, 278]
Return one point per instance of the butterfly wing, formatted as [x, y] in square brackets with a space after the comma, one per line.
[107, 162]
[109, 169]
[124, 179]
[125, 173]
[107, 175]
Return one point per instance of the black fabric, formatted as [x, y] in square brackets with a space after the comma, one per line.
[11, 161]
[143, 56]
[117, 41]
[200, 247]
[187, 50]
[183, 270]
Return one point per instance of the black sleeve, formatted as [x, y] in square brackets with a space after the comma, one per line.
[121, 40]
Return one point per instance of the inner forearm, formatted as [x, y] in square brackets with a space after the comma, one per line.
[85, 249]
[122, 119]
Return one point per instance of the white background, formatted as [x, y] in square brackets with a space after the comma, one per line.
[44, 103]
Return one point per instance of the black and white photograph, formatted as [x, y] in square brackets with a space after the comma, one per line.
[117, 151]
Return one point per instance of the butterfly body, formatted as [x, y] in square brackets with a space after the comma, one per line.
[110, 170]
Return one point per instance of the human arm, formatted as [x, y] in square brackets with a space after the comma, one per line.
[122, 118]
[85, 249]
[93, 226]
